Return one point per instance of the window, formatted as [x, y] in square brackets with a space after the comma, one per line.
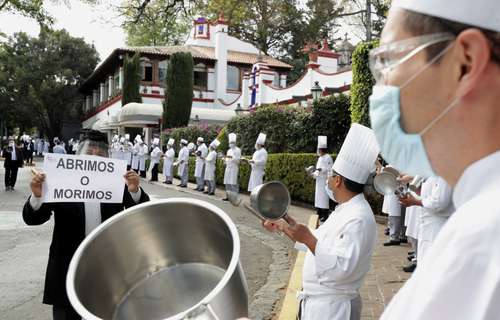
[200, 77]
[147, 71]
[233, 78]
[276, 80]
[162, 70]
[200, 30]
[116, 82]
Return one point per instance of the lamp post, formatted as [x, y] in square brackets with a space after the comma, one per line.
[239, 110]
[316, 91]
[196, 120]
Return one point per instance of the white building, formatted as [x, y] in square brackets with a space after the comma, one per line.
[227, 72]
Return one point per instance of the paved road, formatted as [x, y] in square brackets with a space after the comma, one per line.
[266, 258]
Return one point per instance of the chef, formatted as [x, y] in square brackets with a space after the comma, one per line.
[115, 148]
[435, 200]
[168, 161]
[325, 162]
[135, 153]
[232, 161]
[340, 250]
[210, 164]
[199, 173]
[451, 131]
[183, 164]
[142, 155]
[392, 208]
[127, 150]
[258, 163]
[156, 154]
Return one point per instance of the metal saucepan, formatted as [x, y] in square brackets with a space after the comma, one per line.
[310, 170]
[268, 201]
[168, 259]
[386, 182]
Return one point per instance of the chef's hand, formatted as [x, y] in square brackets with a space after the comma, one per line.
[408, 200]
[36, 183]
[132, 181]
[298, 231]
[272, 226]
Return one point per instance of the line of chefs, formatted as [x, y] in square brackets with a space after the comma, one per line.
[205, 163]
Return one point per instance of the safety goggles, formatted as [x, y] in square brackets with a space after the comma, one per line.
[388, 56]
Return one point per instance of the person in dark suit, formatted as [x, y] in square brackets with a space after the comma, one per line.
[73, 221]
[28, 149]
[13, 161]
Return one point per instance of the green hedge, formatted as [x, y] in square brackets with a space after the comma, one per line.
[288, 168]
[362, 83]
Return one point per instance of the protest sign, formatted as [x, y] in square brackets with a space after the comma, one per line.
[82, 178]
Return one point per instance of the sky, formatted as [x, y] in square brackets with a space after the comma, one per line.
[96, 24]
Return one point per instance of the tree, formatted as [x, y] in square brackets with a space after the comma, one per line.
[32, 9]
[179, 93]
[131, 79]
[43, 76]
[157, 26]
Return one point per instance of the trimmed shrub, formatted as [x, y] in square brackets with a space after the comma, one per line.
[179, 93]
[294, 129]
[131, 79]
[362, 83]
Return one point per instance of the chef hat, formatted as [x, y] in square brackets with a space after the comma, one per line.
[232, 137]
[215, 143]
[156, 141]
[122, 139]
[184, 141]
[115, 137]
[200, 139]
[127, 136]
[479, 13]
[138, 137]
[356, 159]
[261, 139]
[322, 142]
[171, 142]
[190, 146]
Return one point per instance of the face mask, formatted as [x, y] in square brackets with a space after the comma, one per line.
[402, 150]
[257, 147]
[232, 145]
[330, 192]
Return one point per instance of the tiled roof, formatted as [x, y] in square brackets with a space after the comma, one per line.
[208, 53]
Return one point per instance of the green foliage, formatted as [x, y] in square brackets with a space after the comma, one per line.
[179, 93]
[362, 83]
[131, 79]
[329, 117]
[40, 77]
[223, 138]
[294, 129]
[191, 133]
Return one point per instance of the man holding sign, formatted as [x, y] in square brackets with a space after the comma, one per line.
[81, 191]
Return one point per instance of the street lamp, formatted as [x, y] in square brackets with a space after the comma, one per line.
[316, 91]
[239, 110]
[196, 120]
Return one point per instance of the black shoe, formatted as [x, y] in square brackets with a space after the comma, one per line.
[225, 199]
[12, 189]
[211, 194]
[411, 257]
[201, 190]
[7, 188]
[206, 192]
[411, 253]
[392, 243]
[168, 182]
[165, 182]
[196, 189]
[386, 231]
[404, 240]
[183, 186]
[410, 268]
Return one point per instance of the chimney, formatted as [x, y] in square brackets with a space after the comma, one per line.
[221, 56]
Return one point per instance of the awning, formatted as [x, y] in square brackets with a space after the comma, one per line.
[212, 115]
[140, 114]
[111, 123]
[98, 125]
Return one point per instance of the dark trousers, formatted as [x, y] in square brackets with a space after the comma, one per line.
[29, 157]
[154, 173]
[143, 174]
[65, 313]
[10, 176]
[323, 213]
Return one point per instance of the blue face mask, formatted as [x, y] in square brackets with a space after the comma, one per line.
[330, 193]
[404, 151]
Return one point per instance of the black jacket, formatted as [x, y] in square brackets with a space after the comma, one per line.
[7, 154]
[69, 232]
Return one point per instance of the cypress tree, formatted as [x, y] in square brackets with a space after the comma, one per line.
[179, 90]
[131, 79]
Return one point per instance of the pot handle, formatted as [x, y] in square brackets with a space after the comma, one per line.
[203, 312]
